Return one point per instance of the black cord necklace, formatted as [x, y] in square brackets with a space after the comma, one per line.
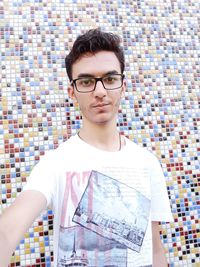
[120, 140]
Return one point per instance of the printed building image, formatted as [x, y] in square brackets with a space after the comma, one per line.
[77, 249]
[74, 259]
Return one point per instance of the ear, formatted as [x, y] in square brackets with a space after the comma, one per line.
[123, 89]
[71, 93]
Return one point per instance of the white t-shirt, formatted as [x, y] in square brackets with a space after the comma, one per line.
[103, 203]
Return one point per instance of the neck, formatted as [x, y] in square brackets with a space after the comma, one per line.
[102, 137]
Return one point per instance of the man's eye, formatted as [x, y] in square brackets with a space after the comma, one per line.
[86, 82]
[110, 79]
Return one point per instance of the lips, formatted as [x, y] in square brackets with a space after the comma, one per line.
[100, 105]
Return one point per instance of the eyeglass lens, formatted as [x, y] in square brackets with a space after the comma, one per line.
[109, 82]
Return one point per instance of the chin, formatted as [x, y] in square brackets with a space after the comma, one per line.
[102, 121]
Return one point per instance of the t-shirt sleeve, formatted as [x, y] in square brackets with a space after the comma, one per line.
[160, 205]
[42, 178]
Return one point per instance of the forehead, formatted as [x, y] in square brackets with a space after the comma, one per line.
[96, 64]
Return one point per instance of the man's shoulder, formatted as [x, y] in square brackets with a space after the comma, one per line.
[64, 148]
[138, 150]
[70, 142]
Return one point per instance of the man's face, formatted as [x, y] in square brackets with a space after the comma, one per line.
[99, 106]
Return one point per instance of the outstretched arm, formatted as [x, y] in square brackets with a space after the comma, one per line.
[159, 258]
[16, 220]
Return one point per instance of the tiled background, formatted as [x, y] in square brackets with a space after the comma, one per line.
[160, 110]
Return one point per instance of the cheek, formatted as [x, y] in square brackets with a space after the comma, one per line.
[117, 103]
[82, 104]
[117, 99]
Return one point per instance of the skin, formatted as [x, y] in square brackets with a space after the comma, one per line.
[100, 107]
[99, 110]
[93, 112]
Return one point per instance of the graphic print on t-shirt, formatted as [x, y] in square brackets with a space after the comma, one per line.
[81, 247]
[110, 217]
[113, 210]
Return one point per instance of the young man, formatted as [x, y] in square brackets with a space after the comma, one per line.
[107, 193]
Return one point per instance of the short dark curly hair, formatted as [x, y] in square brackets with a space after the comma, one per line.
[94, 41]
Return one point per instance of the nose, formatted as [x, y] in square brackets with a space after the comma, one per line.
[100, 91]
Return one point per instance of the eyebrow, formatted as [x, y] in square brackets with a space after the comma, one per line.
[83, 75]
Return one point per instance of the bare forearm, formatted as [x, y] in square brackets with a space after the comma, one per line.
[12, 228]
[5, 250]
[159, 259]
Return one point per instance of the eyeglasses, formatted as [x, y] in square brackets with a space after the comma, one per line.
[88, 84]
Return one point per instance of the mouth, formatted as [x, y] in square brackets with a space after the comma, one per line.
[100, 105]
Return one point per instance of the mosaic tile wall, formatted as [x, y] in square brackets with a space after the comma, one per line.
[160, 110]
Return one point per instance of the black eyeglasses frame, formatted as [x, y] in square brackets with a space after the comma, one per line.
[73, 83]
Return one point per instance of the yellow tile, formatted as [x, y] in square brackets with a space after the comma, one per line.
[36, 239]
[27, 251]
[41, 244]
[42, 250]
[40, 228]
[27, 246]
[26, 235]
[17, 258]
